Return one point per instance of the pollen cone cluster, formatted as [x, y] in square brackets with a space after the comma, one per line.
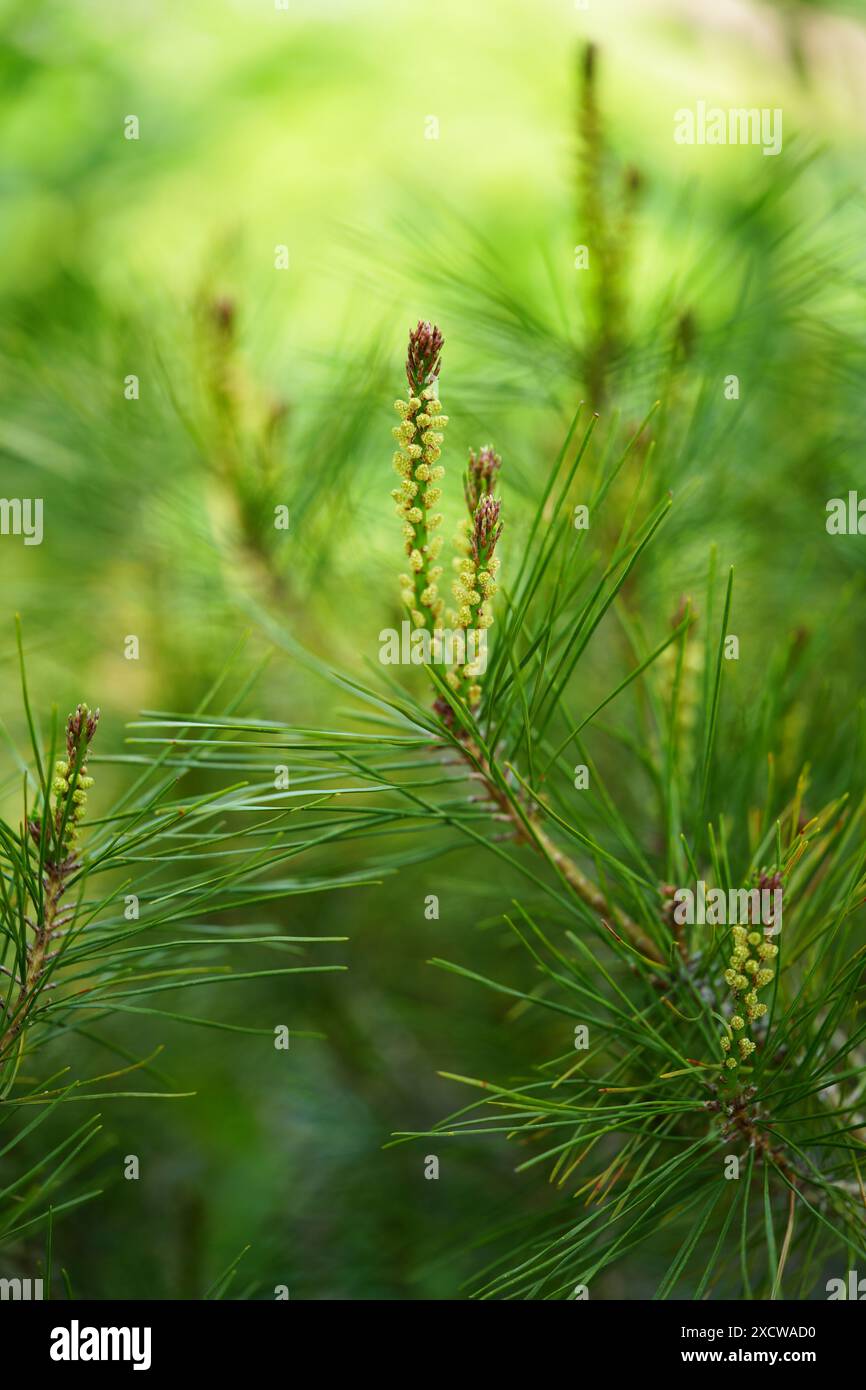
[476, 565]
[70, 790]
[749, 970]
[419, 439]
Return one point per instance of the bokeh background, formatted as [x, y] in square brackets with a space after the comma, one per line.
[308, 128]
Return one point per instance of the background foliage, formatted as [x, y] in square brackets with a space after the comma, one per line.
[155, 257]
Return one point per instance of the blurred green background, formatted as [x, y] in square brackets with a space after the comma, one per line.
[307, 128]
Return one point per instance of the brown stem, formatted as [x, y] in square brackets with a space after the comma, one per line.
[56, 876]
[528, 830]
